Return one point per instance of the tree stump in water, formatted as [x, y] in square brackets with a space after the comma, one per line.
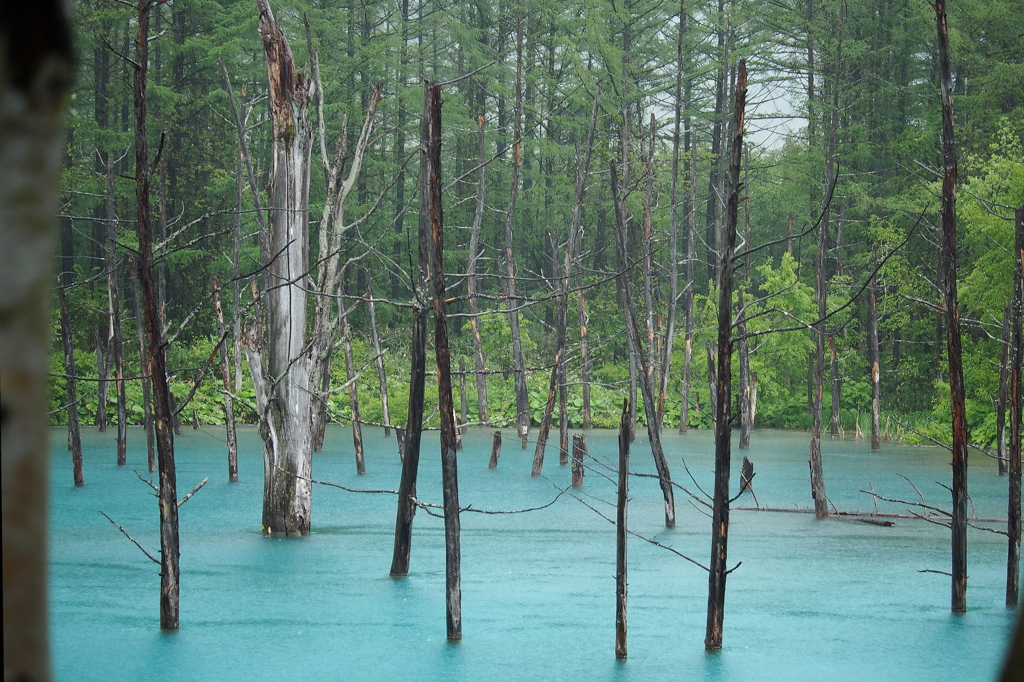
[579, 452]
[495, 451]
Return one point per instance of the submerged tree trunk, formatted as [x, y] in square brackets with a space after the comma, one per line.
[947, 221]
[155, 342]
[74, 432]
[621, 585]
[876, 387]
[633, 333]
[282, 382]
[1013, 527]
[229, 401]
[723, 422]
[509, 283]
[35, 77]
[417, 373]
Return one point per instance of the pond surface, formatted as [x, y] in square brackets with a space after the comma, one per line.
[833, 599]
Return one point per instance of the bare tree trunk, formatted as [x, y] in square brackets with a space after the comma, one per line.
[495, 451]
[746, 398]
[1004, 380]
[229, 401]
[647, 266]
[114, 339]
[562, 300]
[817, 475]
[283, 387]
[837, 384]
[449, 464]
[35, 77]
[876, 387]
[382, 376]
[947, 221]
[483, 415]
[579, 455]
[155, 342]
[417, 372]
[144, 369]
[522, 397]
[620, 537]
[74, 433]
[633, 333]
[1013, 527]
[723, 422]
[691, 256]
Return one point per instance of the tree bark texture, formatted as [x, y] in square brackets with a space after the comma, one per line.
[1013, 527]
[947, 222]
[723, 422]
[579, 455]
[284, 398]
[495, 451]
[35, 77]
[633, 333]
[621, 583]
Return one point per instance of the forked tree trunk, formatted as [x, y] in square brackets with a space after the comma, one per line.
[483, 415]
[947, 222]
[282, 382]
[562, 302]
[155, 342]
[509, 283]
[417, 373]
[723, 421]
[449, 463]
[74, 432]
[633, 333]
[35, 78]
[1013, 527]
[229, 401]
[621, 585]
[876, 386]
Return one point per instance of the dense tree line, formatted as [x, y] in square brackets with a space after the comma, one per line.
[842, 153]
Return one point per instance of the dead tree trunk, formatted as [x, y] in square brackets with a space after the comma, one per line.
[579, 455]
[876, 386]
[35, 78]
[144, 369]
[947, 221]
[647, 266]
[115, 345]
[562, 298]
[512, 300]
[818, 364]
[746, 397]
[74, 433]
[283, 381]
[417, 372]
[229, 401]
[495, 451]
[155, 342]
[723, 422]
[382, 376]
[1004, 380]
[633, 333]
[483, 415]
[449, 464]
[1013, 527]
[621, 585]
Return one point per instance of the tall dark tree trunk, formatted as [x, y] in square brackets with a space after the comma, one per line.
[947, 222]
[229, 401]
[723, 422]
[633, 333]
[155, 342]
[621, 530]
[1013, 527]
[35, 79]
[74, 433]
[876, 385]
[417, 372]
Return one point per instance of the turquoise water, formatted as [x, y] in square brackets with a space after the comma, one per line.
[834, 600]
